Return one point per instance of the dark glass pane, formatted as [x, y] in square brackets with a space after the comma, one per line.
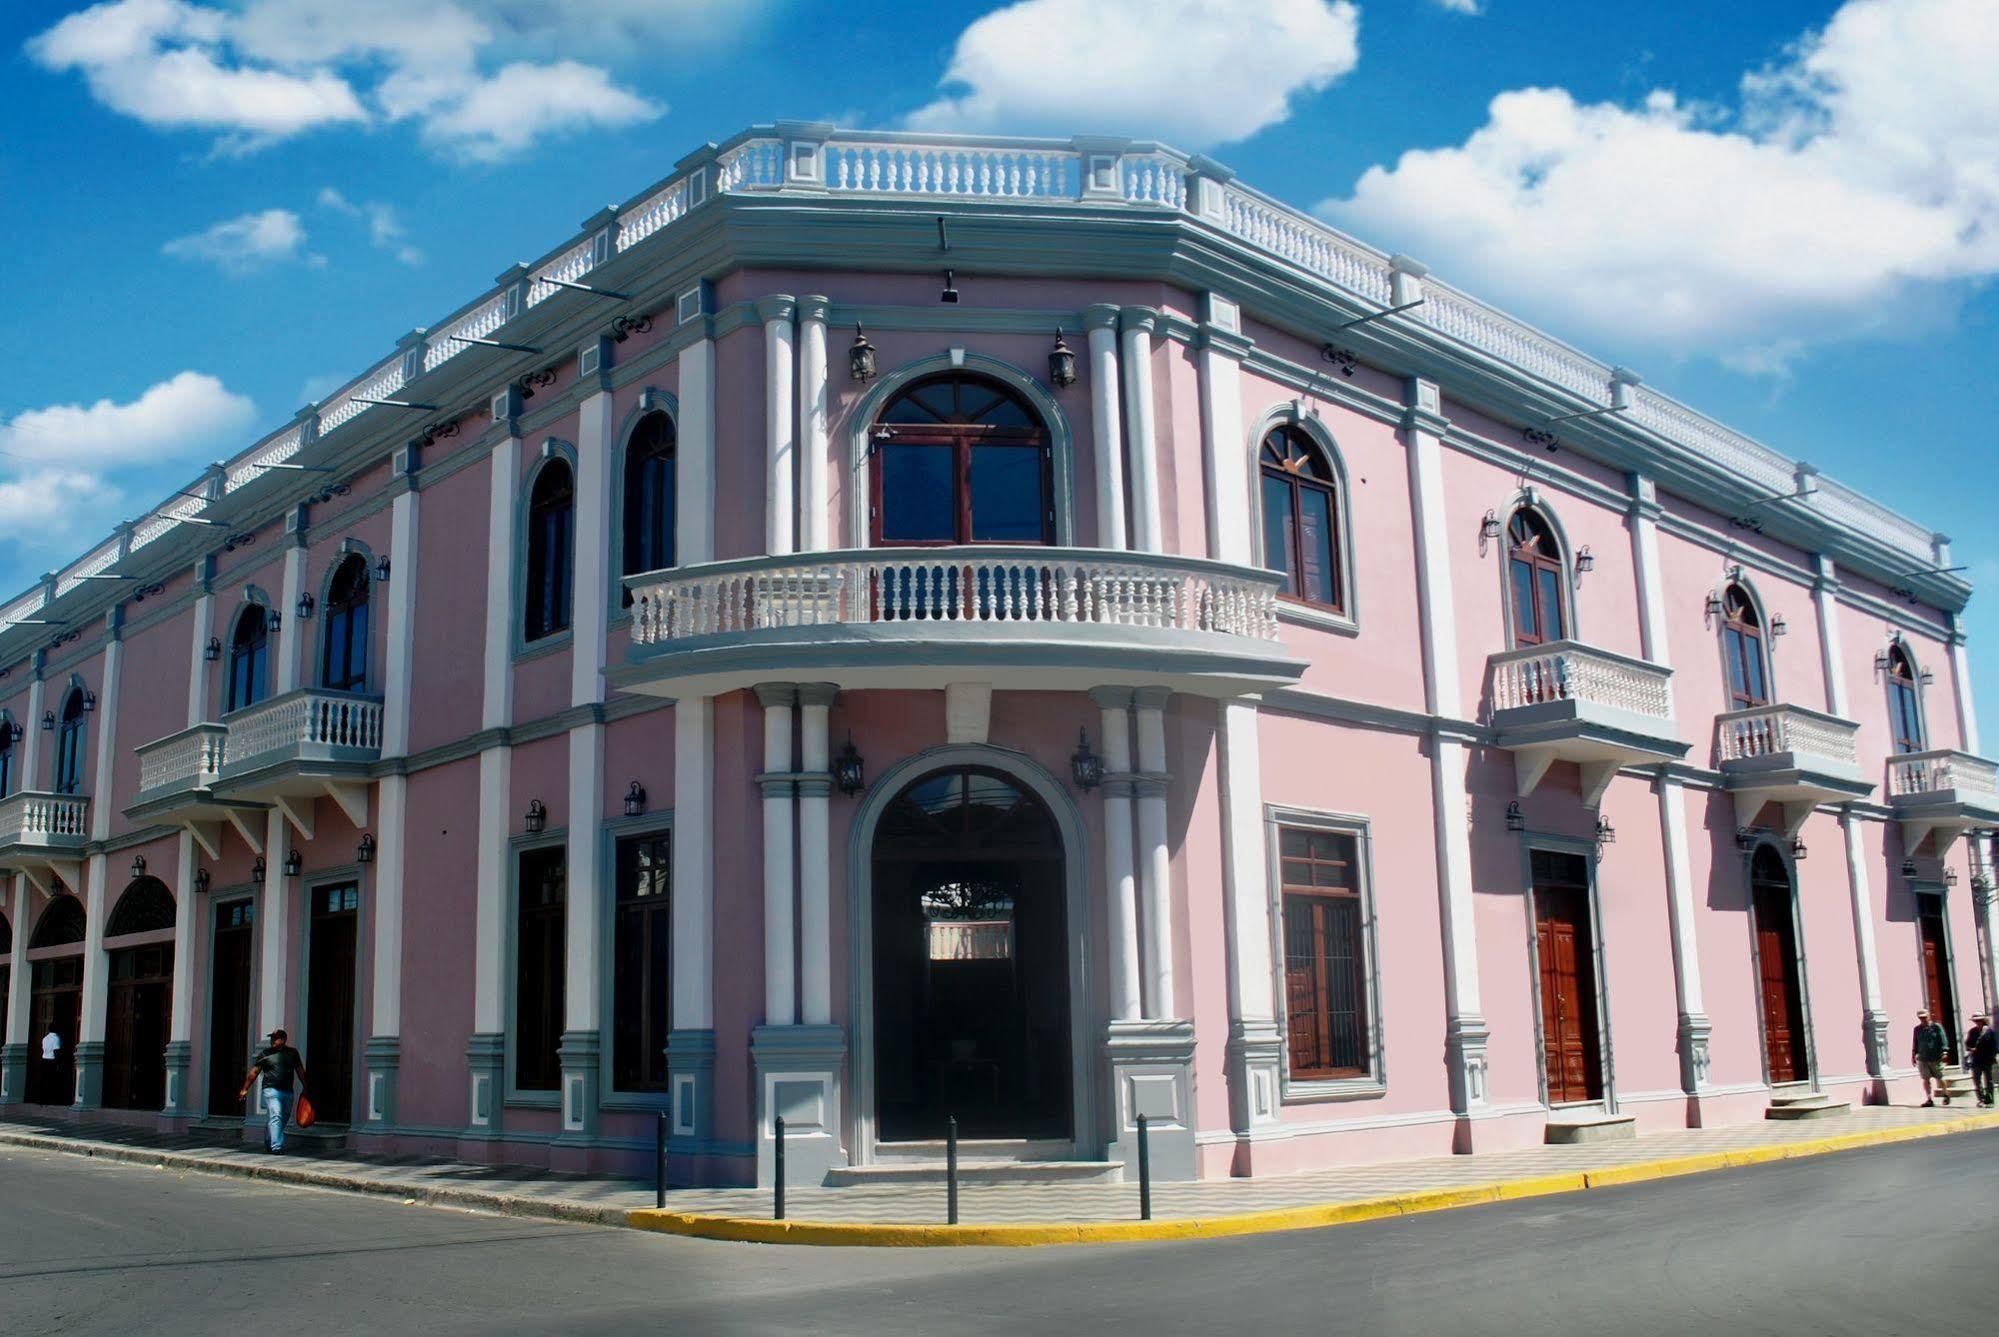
[1551, 602]
[919, 497]
[1315, 542]
[1346, 1034]
[1732, 651]
[540, 968]
[1752, 665]
[1524, 622]
[1278, 553]
[1008, 505]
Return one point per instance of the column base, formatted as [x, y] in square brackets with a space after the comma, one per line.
[1152, 1073]
[13, 1074]
[1693, 1045]
[799, 1074]
[1256, 1064]
[381, 1059]
[486, 1075]
[1874, 1040]
[89, 1075]
[179, 1054]
[579, 1054]
[1465, 1040]
[690, 1084]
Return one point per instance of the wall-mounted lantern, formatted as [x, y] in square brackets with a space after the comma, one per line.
[213, 650]
[274, 620]
[382, 569]
[1908, 869]
[202, 879]
[294, 864]
[1488, 528]
[304, 607]
[1713, 609]
[1585, 559]
[14, 730]
[89, 699]
[1797, 849]
[1515, 820]
[1606, 834]
[1085, 766]
[1745, 839]
[1950, 877]
[861, 357]
[849, 772]
[138, 866]
[1779, 627]
[257, 869]
[635, 800]
[1061, 363]
[536, 817]
[365, 851]
[48, 721]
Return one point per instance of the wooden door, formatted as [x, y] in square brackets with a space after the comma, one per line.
[55, 1004]
[1571, 1048]
[1937, 991]
[137, 1021]
[329, 1011]
[229, 1006]
[1783, 994]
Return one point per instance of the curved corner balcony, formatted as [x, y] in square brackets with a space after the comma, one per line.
[1566, 701]
[1018, 617]
[1944, 793]
[177, 783]
[42, 836]
[298, 747]
[1790, 756]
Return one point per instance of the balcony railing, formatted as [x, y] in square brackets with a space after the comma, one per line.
[185, 762]
[1944, 774]
[1769, 731]
[1572, 671]
[307, 725]
[997, 587]
[45, 821]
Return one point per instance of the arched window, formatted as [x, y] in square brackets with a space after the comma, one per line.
[344, 656]
[1301, 517]
[550, 540]
[1534, 576]
[960, 459]
[1905, 704]
[60, 925]
[1742, 647]
[649, 497]
[6, 756]
[69, 745]
[249, 659]
[145, 906]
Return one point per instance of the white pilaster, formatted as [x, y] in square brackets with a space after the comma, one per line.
[780, 952]
[1825, 600]
[1137, 324]
[31, 739]
[96, 874]
[780, 430]
[1960, 681]
[187, 911]
[1255, 1049]
[1155, 861]
[19, 993]
[104, 728]
[815, 853]
[1225, 455]
[1106, 424]
[813, 393]
[586, 807]
[1645, 562]
[1693, 1022]
[1873, 1021]
[592, 548]
[693, 863]
[497, 694]
[291, 627]
[392, 821]
[273, 919]
[1120, 877]
[485, 1051]
[489, 913]
[694, 504]
[198, 669]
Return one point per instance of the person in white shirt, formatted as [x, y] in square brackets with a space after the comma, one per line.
[51, 1045]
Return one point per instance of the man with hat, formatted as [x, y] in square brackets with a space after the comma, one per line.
[1981, 1053]
[280, 1066]
[1927, 1050]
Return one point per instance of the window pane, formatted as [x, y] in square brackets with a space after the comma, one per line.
[1551, 603]
[1752, 667]
[1732, 652]
[1007, 502]
[1315, 535]
[919, 500]
[1524, 623]
[1277, 549]
[1346, 1030]
[539, 969]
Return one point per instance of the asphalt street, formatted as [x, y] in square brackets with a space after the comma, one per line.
[1887, 1241]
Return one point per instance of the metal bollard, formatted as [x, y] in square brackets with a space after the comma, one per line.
[659, 1164]
[1144, 1171]
[951, 1170]
[777, 1188]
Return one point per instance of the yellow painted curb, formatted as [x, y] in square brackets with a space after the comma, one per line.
[756, 1230]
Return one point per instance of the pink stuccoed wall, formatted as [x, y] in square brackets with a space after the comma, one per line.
[447, 663]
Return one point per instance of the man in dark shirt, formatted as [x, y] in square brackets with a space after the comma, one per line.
[1928, 1049]
[1981, 1049]
[280, 1066]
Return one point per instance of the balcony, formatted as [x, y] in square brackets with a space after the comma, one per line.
[43, 835]
[177, 779]
[295, 748]
[1565, 701]
[1790, 756]
[1942, 793]
[1016, 617]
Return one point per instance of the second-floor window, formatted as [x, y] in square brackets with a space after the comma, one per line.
[6, 757]
[550, 544]
[1742, 646]
[960, 459]
[69, 745]
[1534, 577]
[649, 501]
[1905, 706]
[249, 659]
[344, 659]
[1301, 518]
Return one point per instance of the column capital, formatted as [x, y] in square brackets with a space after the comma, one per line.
[813, 693]
[1138, 320]
[777, 307]
[1100, 316]
[1151, 698]
[773, 694]
[814, 308]
[1112, 698]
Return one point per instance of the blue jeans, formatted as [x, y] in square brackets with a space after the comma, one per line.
[277, 1112]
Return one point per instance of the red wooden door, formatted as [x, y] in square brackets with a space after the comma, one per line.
[1783, 997]
[1568, 995]
[1936, 970]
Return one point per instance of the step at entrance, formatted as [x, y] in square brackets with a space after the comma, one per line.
[1570, 1127]
[1799, 1102]
[980, 1161]
[221, 1130]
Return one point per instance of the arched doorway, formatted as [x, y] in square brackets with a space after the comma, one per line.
[1780, 982]
[971, 968]
[138, 1011]
[55, 1001]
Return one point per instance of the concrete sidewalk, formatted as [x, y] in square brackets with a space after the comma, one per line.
[1024, 1214]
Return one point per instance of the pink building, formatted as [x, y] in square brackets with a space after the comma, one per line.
[883, 629]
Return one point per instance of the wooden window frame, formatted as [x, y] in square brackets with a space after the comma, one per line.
[347, 628]
[249, 647]
[548, 602]
[72, 734]
[1743, 649]
[1529, 553]
[641, 915]
[1297, 484]
[1905, 687]
[1328, 1083]
[963, 438]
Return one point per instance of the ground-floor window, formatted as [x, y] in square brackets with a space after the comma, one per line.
[1329, 1029]
[642, 953]
[539, 968]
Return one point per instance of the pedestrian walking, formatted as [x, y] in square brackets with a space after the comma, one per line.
[1927, 1049]
[1981, 1049]
[281, 1067]
[51, 1045]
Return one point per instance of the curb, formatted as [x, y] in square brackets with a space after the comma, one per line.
[759, 1231]
[504, 1204]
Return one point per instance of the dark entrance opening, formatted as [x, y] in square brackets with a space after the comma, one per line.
[1777, 969]
[1937, 990]
[971, 963]
[329, 1007]
[139, 952]
[55, 1000]
[1572, 1047]
[229, 1005]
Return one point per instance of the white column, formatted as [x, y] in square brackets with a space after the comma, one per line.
[592, 546]
[1145, 523]
[31, 741]
[815, 853]
[1645, 561]
[1464, 1024]
[1693, 1021]
[1254, 1044]
[1225, 454]
[198, 670]
[693, 863]
[780, 955]
[392, 818]
[392, 791]
[273, 916]
[1874, 1022]
[485, 1052]
[585, 903]
[497, 694]
[812, 415]
[1155, 862]
[186, 911]
[291, 628]
[18, 992]
[96, 873]
[694, 482]
[104, 728]
[1106, 424]
[1960, 681]
[1825, 600]
[488, 926]
[780, 432]
[1120, 878]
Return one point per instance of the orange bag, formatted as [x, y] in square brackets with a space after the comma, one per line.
[305, 1116]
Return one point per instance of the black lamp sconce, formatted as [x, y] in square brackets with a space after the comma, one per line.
[365, 851]
[257, 869]
[1606, 834]
[213, 650]
[1585, 560]
[138, 866]
[293, 863]
[1085, 766]
[635, 800]
[849, 771]
[1061, 363]
[305, 605]
[536, 817]
[861, 357]
[202, 879]
[1515, 820]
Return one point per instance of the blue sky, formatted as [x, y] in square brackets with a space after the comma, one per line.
[218, 209]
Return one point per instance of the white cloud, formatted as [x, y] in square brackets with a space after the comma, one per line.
[1852, 189]
[1189, 71]
[182, 416]
[52, 509]
[249, 243]
[385, 228]
[501, 116]
[1462, 6]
